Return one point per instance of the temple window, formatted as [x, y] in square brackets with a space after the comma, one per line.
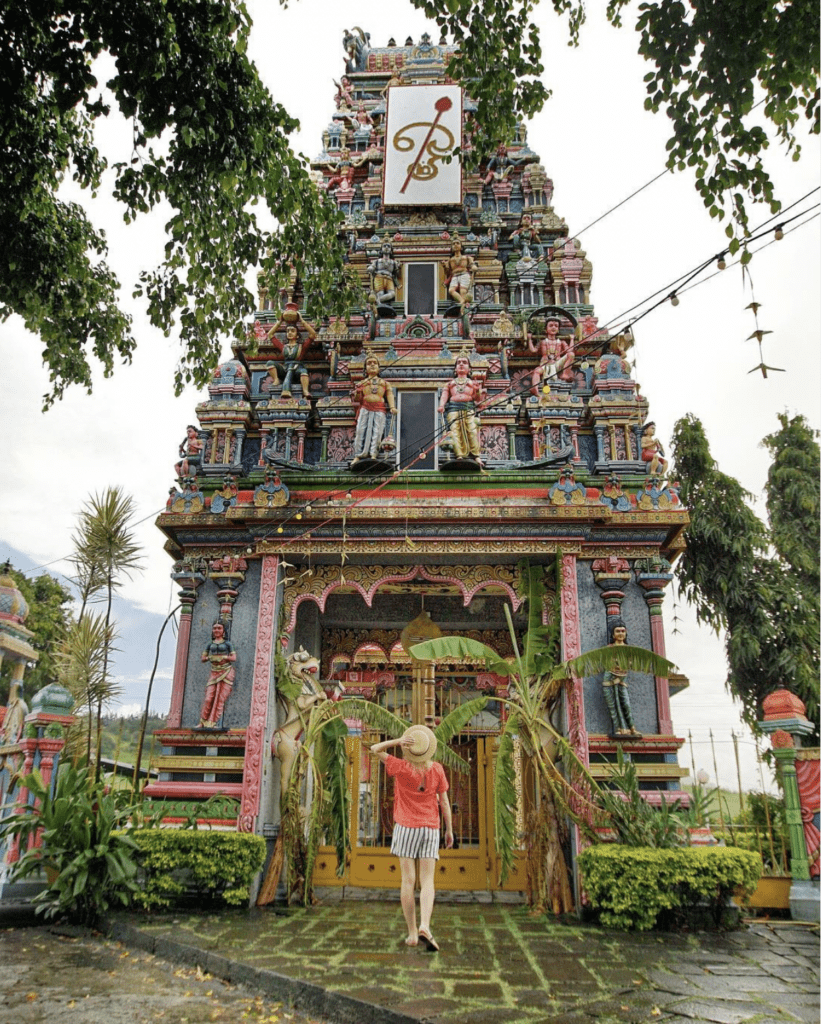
[417, 428]
[420, 289]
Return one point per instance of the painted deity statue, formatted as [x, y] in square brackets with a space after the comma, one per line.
[616, 695]
[293, 350]
[460, 402]
[384, 271]
[555, 357]
[651, 450]
[375, 399]
[459, 270]
[221, 654]
[526, 238]
[190, 452]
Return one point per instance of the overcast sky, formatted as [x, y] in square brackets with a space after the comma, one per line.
[598, 145]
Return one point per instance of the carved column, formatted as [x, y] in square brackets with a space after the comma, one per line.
[260, 687]
[611, 576]
[189, 577]
[653, 581]
[572, 648]
[228, 572]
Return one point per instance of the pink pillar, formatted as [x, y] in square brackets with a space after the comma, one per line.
[572, 648]
[189, 581]
[260, 688]
[28, 748]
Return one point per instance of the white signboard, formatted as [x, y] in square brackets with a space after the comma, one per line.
[424, 125]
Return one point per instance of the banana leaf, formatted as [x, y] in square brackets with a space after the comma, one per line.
[380, 718]
[604, 659]
[454, 722]
[457, 648]
[332, 762]
[504, 799]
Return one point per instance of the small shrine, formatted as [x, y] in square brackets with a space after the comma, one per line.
[350, 482]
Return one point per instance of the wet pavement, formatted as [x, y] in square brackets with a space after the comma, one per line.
[63, 975]
[347, 962]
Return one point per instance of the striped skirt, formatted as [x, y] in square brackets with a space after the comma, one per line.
[415, 842]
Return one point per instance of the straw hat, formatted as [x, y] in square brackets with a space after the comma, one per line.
[424, 744]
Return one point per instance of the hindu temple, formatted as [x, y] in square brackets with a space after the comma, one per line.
[353, 484]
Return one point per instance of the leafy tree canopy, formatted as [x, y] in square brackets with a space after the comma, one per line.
[747, 578]
[209, 140]
[49, 617]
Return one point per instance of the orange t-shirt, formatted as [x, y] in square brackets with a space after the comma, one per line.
[412, 808]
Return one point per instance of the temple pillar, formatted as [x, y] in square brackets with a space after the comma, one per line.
[189, 577]
[653, 583]
[260, 687]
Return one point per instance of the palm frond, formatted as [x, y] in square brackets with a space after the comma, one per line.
[380, 718]
[457, 648]
[505, 800]
[605, 659]
[453, 723]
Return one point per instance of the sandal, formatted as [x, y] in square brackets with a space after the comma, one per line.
[431, 944]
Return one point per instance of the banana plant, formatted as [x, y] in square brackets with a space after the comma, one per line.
[537, 681]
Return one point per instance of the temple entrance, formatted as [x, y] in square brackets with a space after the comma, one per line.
[472, 864]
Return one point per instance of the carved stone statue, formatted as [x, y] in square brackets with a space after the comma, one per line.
[375, 399]
[221, 654]
[616, 695]
[460, 402]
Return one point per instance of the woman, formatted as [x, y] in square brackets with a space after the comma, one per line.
[420, 793]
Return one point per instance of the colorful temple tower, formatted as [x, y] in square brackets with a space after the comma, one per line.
[355, 483]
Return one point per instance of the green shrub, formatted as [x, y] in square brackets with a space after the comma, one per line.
[85, 848]
[635, 888]
[215, 865]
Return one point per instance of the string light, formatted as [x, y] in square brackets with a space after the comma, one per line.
[674, 299]
[722, 263]
[779, 232]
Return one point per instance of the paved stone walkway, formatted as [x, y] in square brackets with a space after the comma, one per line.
[498, 965]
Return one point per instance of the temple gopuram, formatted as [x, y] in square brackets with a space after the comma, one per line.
[352, 485]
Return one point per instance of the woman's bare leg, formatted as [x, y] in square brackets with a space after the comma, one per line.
[407, 866]
[427, 866]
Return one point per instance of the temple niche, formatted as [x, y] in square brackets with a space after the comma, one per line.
[346, 477]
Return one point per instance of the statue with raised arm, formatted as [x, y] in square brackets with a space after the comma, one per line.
[293, 348]
[460, 401]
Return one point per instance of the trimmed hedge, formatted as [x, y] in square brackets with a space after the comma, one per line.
[174, 863]
[635, 887]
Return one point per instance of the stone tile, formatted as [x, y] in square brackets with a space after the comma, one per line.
[728, 987]
[427, 1008]
[675, 983]
[486, 990]
[489, 1015]
[717, 1011]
